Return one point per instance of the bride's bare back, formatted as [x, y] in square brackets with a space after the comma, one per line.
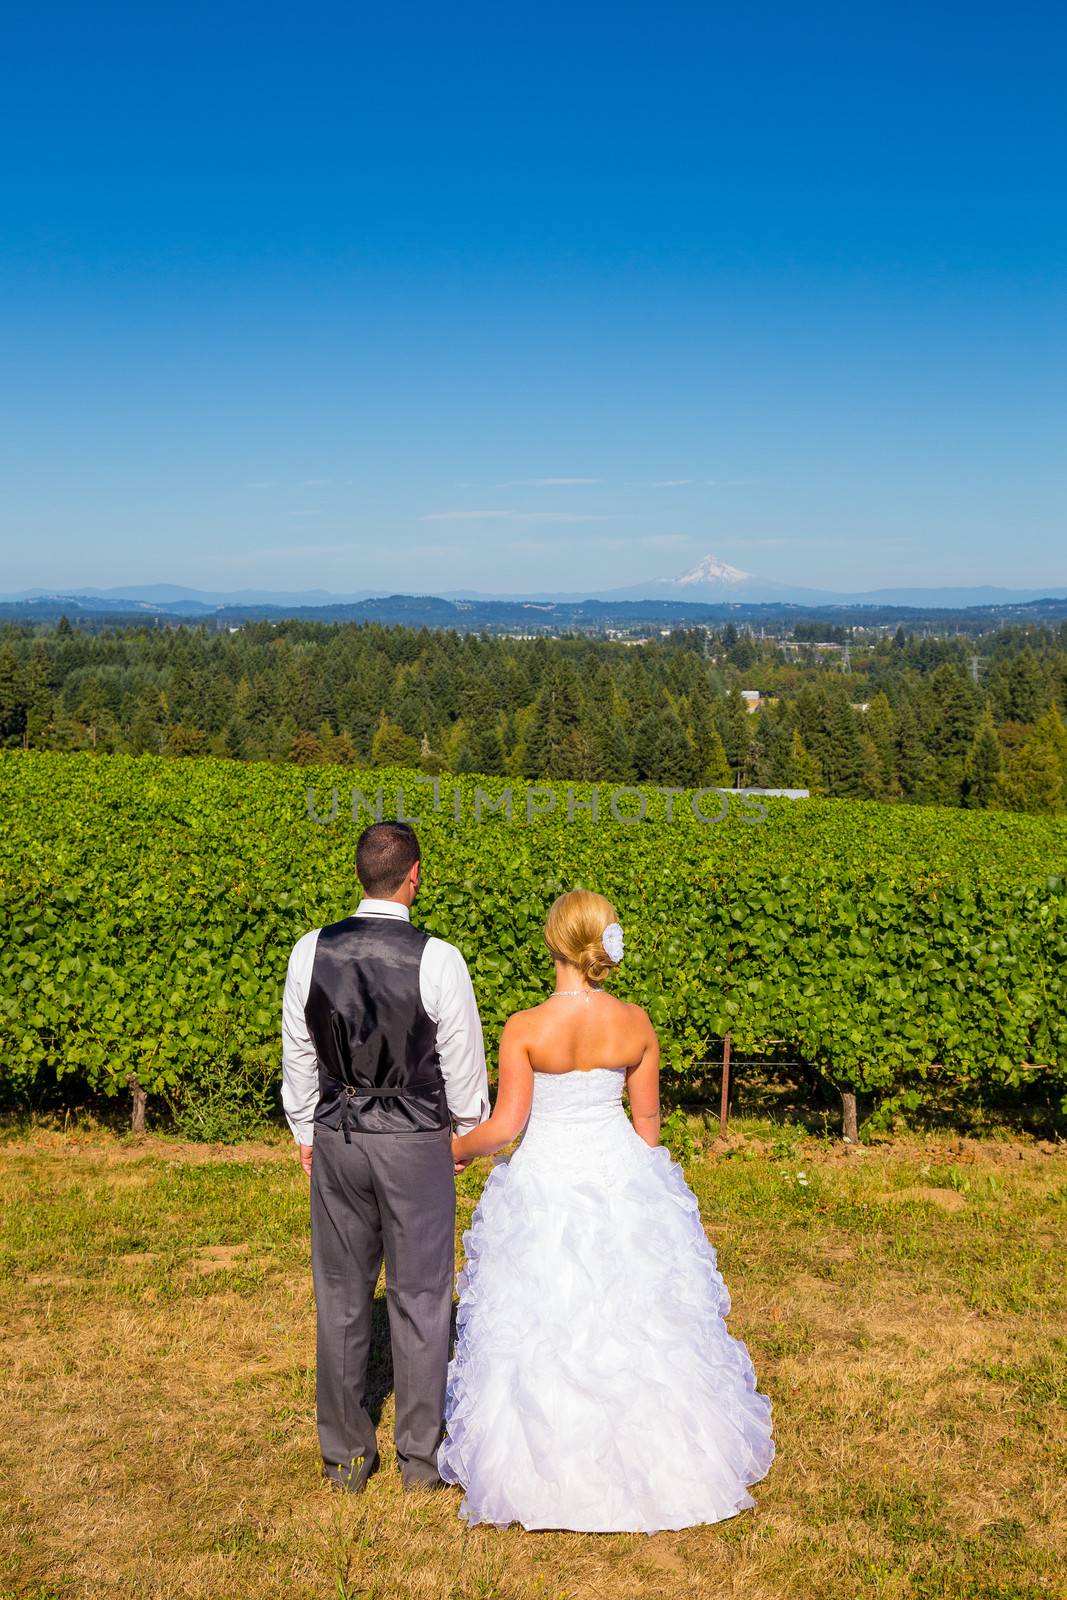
[578, 1033]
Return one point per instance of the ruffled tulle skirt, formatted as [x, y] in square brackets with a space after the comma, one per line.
[594, 1384]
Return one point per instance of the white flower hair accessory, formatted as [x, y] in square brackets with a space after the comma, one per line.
[611, 939]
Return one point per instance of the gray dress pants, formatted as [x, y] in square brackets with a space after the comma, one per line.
[391, 1194]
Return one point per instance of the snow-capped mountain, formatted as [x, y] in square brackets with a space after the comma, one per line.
[713, 580]
[712, 569]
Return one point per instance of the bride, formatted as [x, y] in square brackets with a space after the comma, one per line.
[594, 1385]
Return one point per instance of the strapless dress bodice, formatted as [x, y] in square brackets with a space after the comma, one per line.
[577, 1096]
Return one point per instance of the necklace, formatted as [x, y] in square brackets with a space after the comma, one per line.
[585, 992]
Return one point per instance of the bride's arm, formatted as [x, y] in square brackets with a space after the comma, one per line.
[514, 1097]
[642, 1086]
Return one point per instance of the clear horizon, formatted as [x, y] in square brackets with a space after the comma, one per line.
[552, 299]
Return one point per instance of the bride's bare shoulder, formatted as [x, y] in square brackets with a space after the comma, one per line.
[519, 1021]
[637, 1019]
[522, 1019]
[550, 1009]
[638, 1013]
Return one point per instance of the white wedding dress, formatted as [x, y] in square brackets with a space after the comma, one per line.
[594, 1385]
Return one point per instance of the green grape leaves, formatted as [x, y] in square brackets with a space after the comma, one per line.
[149, 907]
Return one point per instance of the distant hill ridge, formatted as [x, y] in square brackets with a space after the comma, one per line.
[711, 581]
[523, 618]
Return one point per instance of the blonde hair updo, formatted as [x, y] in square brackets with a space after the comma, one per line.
[574, 932]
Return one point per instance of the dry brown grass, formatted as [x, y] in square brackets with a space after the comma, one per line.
[904, 1309]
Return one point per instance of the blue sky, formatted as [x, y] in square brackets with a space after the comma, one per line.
[527, 296]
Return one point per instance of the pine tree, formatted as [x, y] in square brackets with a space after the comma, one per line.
[842, 760]
[713, 768]
[13, 698]
[40, 706]
[185, 739]
[144, 734]
[736, 733]
[306, 750]
[280, 739]
[1032, 779]
[232, 741]
[762, 751]
[743, 654]
[244, 707]
[1035, 777]
[677, 763]
[488, 752]
[538, 738]
[392, 747]
[1052, 731]
[465, 761]
[871, 784]
[547, 753]
[912, 758]
[950, 711]
[772, 749]
[806, 772]
[878, 724]
[616, 757]
[956, 712]
[1020, 689]
[645, 747]
[983, 767]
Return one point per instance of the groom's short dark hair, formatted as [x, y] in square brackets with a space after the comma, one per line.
[385, 854]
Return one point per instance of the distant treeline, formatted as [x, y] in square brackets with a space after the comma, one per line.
[906, 718]
[597, 618]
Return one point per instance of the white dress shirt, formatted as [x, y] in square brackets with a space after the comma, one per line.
[448, 996]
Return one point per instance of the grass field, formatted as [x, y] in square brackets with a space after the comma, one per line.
[905, 1308]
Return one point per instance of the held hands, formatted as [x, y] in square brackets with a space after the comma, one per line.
[459, 1160]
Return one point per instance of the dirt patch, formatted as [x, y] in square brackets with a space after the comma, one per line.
[110, 1150]
[947, 1199]
[219, 1257]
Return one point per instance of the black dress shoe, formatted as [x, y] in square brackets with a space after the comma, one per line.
[413, 1485]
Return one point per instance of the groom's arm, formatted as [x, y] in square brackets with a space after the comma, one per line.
[300, 1069]
[448, 995]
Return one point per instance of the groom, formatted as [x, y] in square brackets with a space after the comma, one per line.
[382, 1053]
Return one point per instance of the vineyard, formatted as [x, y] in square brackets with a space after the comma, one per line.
[149, 906]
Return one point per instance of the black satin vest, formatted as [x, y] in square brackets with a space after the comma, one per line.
[375, 1043]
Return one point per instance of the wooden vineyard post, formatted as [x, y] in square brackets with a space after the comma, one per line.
[724, 1103]
[849, 1124]
[139, 1097]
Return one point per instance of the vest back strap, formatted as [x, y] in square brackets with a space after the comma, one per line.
[360, 1091]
